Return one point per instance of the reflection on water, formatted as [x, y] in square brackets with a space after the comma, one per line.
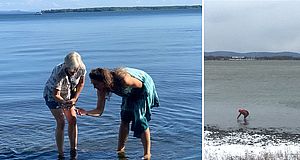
[243, 122]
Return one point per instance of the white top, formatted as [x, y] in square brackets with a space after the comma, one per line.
[59, 80]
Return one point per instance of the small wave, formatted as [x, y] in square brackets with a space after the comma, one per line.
[7, 153]
[235, 151]
[251, 136]
[253, 143]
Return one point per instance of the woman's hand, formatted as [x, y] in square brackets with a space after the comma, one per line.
[72, 101]
[68, 104]
[80, 111]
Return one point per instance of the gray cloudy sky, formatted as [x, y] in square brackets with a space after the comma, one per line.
[252, 25]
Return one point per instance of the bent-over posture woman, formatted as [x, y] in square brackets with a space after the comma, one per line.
[138, 94]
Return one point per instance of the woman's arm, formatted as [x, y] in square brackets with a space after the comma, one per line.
[100, 105]
[239, 116]
[57, 97]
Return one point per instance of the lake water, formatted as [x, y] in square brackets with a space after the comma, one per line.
[166, 44]
[269, 90]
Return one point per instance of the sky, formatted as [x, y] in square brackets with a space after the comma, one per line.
[37, 5]
[252, 25]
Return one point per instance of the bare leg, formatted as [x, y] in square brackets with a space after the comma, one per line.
[59, 132]
[72, 127]
[145, 138]
[123, 135]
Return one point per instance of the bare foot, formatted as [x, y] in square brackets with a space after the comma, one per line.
[147, 157]
[121, 154]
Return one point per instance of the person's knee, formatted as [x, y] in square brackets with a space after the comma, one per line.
[72, 121]
[125, 123]
[146, 131]
[60, 124]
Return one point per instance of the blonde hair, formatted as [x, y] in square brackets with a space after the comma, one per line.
[73, 61]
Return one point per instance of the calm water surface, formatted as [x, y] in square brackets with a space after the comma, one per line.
[167, 45]
[269, 90]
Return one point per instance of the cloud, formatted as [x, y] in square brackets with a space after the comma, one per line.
[2, 4]
[252, 26]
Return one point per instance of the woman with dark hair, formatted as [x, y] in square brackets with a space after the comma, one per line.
[138, 94]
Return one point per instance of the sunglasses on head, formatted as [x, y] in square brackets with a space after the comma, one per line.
[72, 70]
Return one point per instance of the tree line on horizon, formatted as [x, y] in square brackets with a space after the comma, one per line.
[102, 9]
[251, 58]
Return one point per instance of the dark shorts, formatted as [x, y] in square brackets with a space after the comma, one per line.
[51, 104]
[127, 116]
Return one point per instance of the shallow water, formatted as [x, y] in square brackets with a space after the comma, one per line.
[167, 45]
[269, 90]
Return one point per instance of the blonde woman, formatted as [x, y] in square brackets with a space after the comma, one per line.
[139, 95]
[61, 93]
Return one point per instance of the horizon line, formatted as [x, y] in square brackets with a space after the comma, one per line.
[39, 10]
[253, 51]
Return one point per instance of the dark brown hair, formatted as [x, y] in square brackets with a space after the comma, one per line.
[112, 79]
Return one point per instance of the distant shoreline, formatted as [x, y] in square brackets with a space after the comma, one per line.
[222, 58]
[227, 55]
[124, 9]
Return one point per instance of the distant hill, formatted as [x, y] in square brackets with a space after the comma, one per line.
[106, 9]
[15, 12]
[252, 54]
[224, 55]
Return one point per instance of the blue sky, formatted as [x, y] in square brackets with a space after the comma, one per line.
[252, 25]
[37, 5]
